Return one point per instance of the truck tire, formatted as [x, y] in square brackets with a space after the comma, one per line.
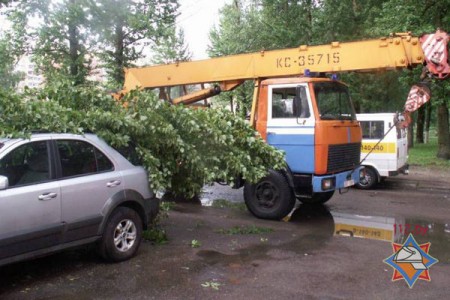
[317, 198]
[270, 198]
[122, 235]
[369, 180]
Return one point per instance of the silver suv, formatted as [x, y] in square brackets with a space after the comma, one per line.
[62, 190]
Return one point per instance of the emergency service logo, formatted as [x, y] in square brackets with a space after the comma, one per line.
[411, 261]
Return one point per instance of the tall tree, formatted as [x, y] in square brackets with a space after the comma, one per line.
[236, 33]
[54, 33]
[171, 48]
[122, 24]
[423, 16]
[62, 48]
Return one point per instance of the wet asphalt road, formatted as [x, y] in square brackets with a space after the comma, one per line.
[310, 256]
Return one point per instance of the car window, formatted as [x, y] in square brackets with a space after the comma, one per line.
[79, 158]
[26, 164]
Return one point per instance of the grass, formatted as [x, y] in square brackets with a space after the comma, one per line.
[222, 203]
[425, 155]
[241, 230]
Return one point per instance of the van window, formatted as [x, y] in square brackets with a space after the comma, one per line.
[372, 129]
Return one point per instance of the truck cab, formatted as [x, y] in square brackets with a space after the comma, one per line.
[313, 121]
[387, 158]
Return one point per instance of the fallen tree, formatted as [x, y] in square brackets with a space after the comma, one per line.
[182, 148]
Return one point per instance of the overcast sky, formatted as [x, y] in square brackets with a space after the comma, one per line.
[197, 18]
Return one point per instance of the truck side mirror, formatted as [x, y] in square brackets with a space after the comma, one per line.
[4, 183]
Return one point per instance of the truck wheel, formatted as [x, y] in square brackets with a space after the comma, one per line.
[122, 235]
[317, 198]
[369, 180]
[270, 198]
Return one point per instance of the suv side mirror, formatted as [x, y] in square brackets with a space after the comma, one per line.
[4, 183]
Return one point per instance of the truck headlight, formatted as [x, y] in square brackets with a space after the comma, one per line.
[328, 183]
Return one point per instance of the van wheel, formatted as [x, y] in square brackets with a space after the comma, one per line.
[270, 198]
[369, 180]
[122, 235]
[317, 198]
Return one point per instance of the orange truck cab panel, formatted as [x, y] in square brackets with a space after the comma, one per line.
[313, 121]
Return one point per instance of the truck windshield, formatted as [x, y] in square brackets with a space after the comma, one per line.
[333, 101]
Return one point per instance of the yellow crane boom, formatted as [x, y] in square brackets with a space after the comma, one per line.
[398, 51]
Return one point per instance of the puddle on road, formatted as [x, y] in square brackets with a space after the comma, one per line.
[321, 224]
[389, 229]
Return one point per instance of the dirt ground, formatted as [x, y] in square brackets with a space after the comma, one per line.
[226, 253]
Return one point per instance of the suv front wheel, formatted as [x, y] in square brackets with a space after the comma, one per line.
[122, 235]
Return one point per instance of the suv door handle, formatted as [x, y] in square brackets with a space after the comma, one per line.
[113, 183]
[47, 196]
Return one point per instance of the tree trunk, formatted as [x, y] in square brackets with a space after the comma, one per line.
[411, 134]
[420, 125]
[427, 123]
[74, 47]
[119, 59]
[443, 131]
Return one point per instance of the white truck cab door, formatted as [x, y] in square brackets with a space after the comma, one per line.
[290, 124]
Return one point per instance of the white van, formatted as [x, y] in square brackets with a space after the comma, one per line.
[390, 156]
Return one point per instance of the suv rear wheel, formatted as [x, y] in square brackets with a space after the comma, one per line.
[122, 235]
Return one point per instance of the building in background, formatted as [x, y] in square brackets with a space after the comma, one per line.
[31, 78]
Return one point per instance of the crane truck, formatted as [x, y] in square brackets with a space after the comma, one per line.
[312, 119]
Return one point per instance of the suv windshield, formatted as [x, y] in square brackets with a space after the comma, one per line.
[333, 101]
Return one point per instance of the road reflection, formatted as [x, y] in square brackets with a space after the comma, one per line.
[323, 222]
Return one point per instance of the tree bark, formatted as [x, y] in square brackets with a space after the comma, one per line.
[420, 125]
[427, 122]
[119, 59]
[74, 47]
[411, 134]
[443, 131]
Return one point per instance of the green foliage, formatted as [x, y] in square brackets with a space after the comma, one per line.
[182, 149]
[222, 203]
[55, 33]
[123, 24]
[244, 230]
[171, 48]
[156, 235]
[8, 77]
[156, 232]
[68, 37]
[196, 244]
